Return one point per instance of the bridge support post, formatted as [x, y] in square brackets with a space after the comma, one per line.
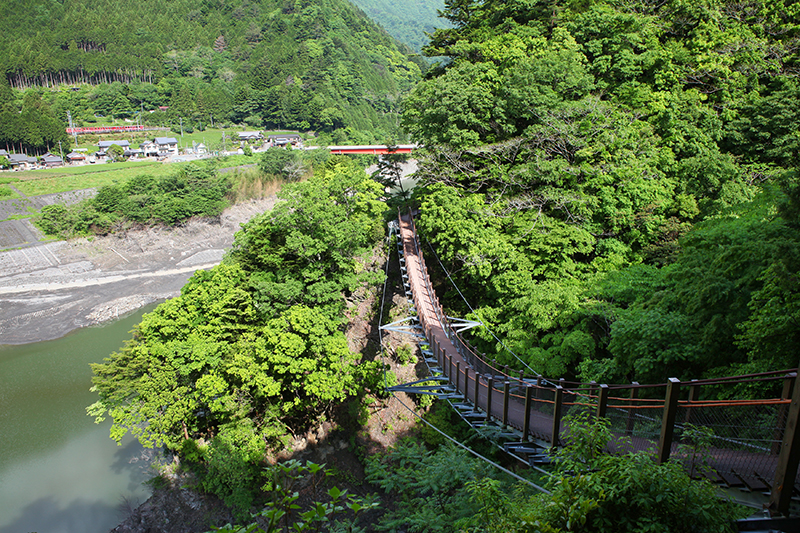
[506, 396]
[559, 399]
[489, 388]
[788, 460]
[526, 424]
[631, 412]
[458, 377]
[668, 420]
[694, 395]
[477, 386]
[602, 401]
[786, 393]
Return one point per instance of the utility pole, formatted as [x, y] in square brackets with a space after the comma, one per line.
[72, 127]
[61, 150]
[181, 128]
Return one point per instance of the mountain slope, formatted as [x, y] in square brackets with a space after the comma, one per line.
[408, 21]
[279, 63]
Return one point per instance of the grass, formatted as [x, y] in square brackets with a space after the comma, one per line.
[10, 195]
[50, 181]
[32, 213]
[56, 180]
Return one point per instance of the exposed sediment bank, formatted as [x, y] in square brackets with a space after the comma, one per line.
[52, 288]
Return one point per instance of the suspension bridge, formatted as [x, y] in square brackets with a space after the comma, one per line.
[755, 445]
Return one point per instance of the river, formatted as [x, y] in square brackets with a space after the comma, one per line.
[59, 471]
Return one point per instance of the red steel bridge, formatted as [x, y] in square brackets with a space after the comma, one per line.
[373, 149]
[756, 443]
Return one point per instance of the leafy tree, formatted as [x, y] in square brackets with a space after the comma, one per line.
[307, 249]
[241, 359]
[389, 172]
[115, 152]
[281, 513]
[430, 485]
[597, 176]
[276, 161]
[597, 491]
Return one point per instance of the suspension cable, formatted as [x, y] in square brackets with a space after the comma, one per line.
[537, 374]
[442, 433]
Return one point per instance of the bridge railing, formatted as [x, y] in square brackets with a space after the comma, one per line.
[743, 439]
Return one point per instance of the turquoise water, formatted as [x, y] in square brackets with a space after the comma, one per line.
[59, 471]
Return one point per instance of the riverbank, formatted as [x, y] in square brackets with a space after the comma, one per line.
[49, 289]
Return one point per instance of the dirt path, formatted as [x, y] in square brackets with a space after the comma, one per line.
[50, 289]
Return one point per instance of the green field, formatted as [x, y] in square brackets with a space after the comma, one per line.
[56, 180]
[49, 181]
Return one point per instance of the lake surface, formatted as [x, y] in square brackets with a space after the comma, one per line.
[59, 471]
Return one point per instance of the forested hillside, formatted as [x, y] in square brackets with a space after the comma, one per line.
[409, 22]
[320, 65]
[613, 184]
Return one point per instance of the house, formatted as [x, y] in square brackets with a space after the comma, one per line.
[76, 157]
[135, 153]
[250, 137]
[149, 148]
[166, 146]
[104, 145]
[284, 139]
[21, 161]
[3, 153]
[50, 160]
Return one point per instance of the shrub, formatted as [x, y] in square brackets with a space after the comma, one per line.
[600, 492]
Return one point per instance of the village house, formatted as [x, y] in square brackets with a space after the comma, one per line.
[21, 161]
[105, 145]
[250, 137]
[284, 139]
[51, 160]
[76, 158]
[149, 148]
[167, 146]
